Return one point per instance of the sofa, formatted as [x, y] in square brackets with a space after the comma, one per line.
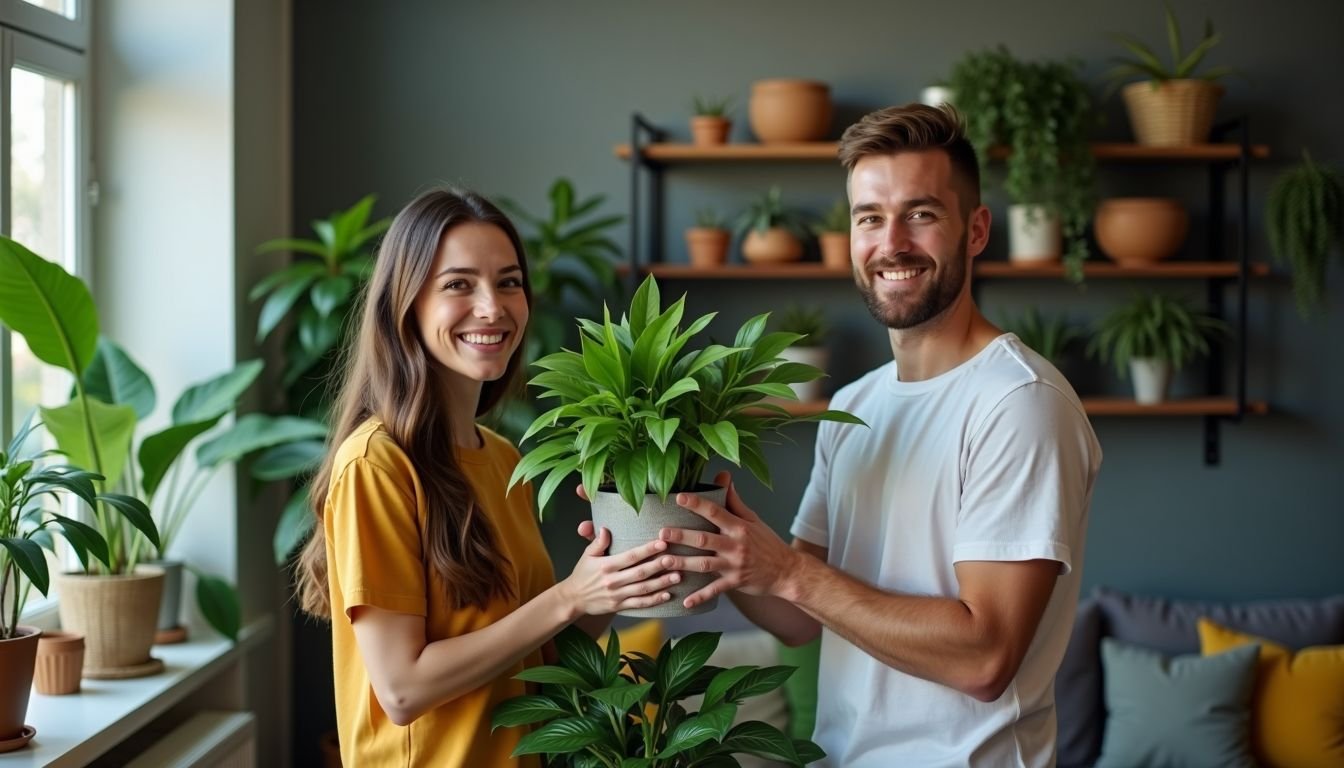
[1160, 632]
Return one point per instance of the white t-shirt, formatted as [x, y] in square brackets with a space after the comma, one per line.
[993, 460]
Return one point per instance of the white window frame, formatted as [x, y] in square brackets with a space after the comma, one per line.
[46, 43]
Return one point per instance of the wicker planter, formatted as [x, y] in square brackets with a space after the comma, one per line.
[834, 249]
[790, 110]
[773, 246]
[708, 131]
[1174, 114]
[707, 246]
[630, 530]
[117, 616]
[16, 680]
[60, 663]
[1137, 231]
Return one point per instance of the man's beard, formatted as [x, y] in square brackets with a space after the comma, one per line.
[938, 295]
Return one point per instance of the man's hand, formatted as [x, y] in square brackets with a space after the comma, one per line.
[746, 553]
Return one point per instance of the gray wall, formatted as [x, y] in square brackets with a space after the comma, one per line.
[506, 96]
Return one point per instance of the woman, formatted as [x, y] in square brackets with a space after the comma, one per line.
[436, 581]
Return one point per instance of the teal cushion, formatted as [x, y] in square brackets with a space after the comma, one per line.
[801, 688]
[1186, 711]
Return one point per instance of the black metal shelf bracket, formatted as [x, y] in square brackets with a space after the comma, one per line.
[642, 133]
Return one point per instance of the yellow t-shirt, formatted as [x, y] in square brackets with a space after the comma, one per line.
[375, 520]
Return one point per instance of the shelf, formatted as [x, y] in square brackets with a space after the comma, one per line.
[827, 150]
[1103, 406]
[985, 269]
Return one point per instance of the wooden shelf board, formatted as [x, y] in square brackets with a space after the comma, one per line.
[1103, 406]
[826, 150]
[987, 269]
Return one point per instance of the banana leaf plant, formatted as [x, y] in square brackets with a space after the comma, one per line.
[605, 709]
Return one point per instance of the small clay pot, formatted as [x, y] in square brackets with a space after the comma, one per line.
[708, 131]
[1137, 231]
[60, 663]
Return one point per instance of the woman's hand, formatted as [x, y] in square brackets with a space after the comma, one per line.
[604, 583]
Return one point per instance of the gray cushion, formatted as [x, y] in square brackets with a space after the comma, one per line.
[1079, 707]
[1169, 625]
[1184, 712]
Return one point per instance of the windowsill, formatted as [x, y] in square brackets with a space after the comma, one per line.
[74, 730]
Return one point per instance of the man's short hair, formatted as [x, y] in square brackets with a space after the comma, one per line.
[914, 128]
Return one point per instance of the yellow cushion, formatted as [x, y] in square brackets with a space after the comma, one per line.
[645, 637]
[1297, 715]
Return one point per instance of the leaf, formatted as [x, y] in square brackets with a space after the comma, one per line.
[612, 668]
[160, 450]
[751, 331]
[681, 387]
[759, 681]
[253, 432]
[621, 696]
[539, 459]
[661, 431]
[113, 427]
[663, 468]
[84, 539]
[295, 522]
[581, 653]
[808, 751]
[761, 740]
[27, 555]
[330, 293]
[218, 601]
[114, 378]
[710, 723]
[555, 676]
[569, 734]
[723, 681]
[722, 437]
[644, 306]
[291, 272]
[317, 334]
[525, 710]
[289, 460]
[631, 472]
[280, 302]
[52, 310]
[134, 512]
[686, 657]
[216, 396]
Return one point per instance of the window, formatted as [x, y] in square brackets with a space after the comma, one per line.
[44, 173]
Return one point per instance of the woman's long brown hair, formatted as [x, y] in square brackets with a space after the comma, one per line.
[389, 375]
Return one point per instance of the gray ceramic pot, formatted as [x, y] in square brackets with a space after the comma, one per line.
[629, 530]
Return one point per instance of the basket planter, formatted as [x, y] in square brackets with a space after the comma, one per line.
[707, 246]
[60, 663]
[1176, 113]
[1137, 231]
[16, 680]
[117, 616]
[630, 529]
[790, 110]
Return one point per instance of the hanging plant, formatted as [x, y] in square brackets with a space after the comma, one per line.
[1305, 218]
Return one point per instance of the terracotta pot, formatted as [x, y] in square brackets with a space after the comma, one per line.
[60, 663]
[773, 246]
[834, 249]
[16, 682]
[709, 131]
[1176, 113]
[117, 616]
[707, 246]
[790, 110]
[1136, 231]
[630, 529]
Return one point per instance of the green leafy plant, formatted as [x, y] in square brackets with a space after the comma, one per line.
[1041, 112]
[711, 107]
[1145, 63]
[1049, 335]
[30, 494]
[317, 290]
[808, 323]
[1154, 326]
[640, 412]
[1304, 215]
[836, 219]
[709, 218]
[605, 709]
[768, 212]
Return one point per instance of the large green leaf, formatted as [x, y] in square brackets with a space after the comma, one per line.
[711, 723]
[84, 539]
[289, 460]
[722, 437]
[28, 556]
[554, 676]
[295, 522]
[218, 601]
[622, 695]
[115, 378]
[722, 682]
[581, 653]
[759, 681]
[525, 710]
[280, 301]
[113, 426]
[762, 740]
[161, 449]
[50, 309]
[217, 396]
[569, 734]
[253, 432]
[684, 660]
[134, 512]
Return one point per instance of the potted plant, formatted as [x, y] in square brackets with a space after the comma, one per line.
[770, 231]
[608, 709]
[787, 110]
[1304, 215]
[833, 236]
[1150, 338]
[1049, 174]
[707, 242]
[1171, 106]
[1048, 335]
[31, 489]
[640, 416]
[809, 324]
[709, 122]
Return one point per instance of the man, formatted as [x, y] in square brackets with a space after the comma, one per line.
[937, 552]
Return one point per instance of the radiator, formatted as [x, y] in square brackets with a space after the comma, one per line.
[207, 740]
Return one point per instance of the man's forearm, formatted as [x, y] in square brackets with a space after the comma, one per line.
[788, 622]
